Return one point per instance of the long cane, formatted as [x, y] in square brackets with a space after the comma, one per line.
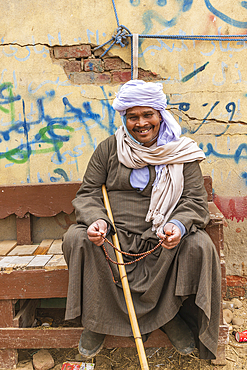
[126, 290]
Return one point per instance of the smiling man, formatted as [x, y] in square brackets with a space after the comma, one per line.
[143, 123]
[156, 191]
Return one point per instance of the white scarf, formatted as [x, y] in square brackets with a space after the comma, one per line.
[169, 188]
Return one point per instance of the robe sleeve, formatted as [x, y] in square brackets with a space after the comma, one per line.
[88, 204]
[192, 207]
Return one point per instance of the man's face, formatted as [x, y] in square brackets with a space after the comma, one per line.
[143, 123]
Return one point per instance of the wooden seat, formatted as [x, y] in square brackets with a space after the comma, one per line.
[30, 272]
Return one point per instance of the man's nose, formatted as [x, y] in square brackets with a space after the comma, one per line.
[142, 121]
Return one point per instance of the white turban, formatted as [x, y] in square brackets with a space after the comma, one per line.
[138, 93]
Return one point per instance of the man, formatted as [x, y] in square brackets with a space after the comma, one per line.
[156, 192]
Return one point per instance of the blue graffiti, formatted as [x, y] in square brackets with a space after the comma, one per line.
[49, 138]
[236, 156]
[62, 174]
[244, 176]
[184, 107]
[224, 17]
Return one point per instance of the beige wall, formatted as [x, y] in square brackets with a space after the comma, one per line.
[35, 92]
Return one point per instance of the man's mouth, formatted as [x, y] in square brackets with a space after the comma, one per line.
[143, 130]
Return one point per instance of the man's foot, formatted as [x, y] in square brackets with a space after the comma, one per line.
[180, 335]
[90, 343]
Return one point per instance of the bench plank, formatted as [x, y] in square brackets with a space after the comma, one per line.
[56, 262]
[56, 247]
[40, 338]
[6, 246]
[18, 262]
[5, 261]
[44, 246]
[23, 250]
[39, 261]
[36, 283]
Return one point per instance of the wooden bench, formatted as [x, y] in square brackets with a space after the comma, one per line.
[31, 272]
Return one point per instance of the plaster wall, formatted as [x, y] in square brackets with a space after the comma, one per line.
[50, 125]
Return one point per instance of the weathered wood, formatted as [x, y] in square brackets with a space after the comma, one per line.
[56, 262]
[44, 246]
[8, 358]
[26, 316]
[6, 246]
[24, 229]
[34, 284]
[7, 313]
[208, 187]
[56, 247]
[18, 262]
[40, 200]
[23, 250]
[40, 337]
[39, 261]
[5, 261]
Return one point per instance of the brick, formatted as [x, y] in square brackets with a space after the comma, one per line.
[235, 292]
[90, 78]
[121, 76]
[94, 65]
[115, 64]
[72, 66]
[102, 78]
[147, 75]
[76, 51]
[234, 280]
[80, 78]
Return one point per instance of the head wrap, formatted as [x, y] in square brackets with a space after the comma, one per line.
[138, 93]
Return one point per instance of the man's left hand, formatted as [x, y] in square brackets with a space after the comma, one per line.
[171, 236]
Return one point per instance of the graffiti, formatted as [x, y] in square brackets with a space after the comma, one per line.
[232, 207]
[9, 99]
[17, 52]
[184, 107]
[192, 74]
[184, 6]
[224, 17]
[50, 138]
[236, 156]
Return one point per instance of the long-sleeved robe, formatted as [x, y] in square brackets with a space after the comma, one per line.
[161, 282]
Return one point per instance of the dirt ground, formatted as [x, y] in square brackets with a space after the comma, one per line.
[158, 358]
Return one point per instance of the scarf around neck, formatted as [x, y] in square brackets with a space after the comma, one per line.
[169, 186]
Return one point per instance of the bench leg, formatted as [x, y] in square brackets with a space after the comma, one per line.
[222, 343]
[8, 357]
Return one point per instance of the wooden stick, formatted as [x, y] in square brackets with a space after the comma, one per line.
[126, 290]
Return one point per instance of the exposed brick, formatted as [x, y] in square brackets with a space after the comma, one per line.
[234, 280]
[94, 65]
[80, 78]
[72, 66]
[121, 76]
[235, 292]
[76, 51]
[90, 78]
[147, 75]
[102, 78]
[115, 64]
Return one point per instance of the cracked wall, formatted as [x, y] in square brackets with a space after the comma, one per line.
[56, 106]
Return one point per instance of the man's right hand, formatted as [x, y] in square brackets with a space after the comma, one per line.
[97, 231]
